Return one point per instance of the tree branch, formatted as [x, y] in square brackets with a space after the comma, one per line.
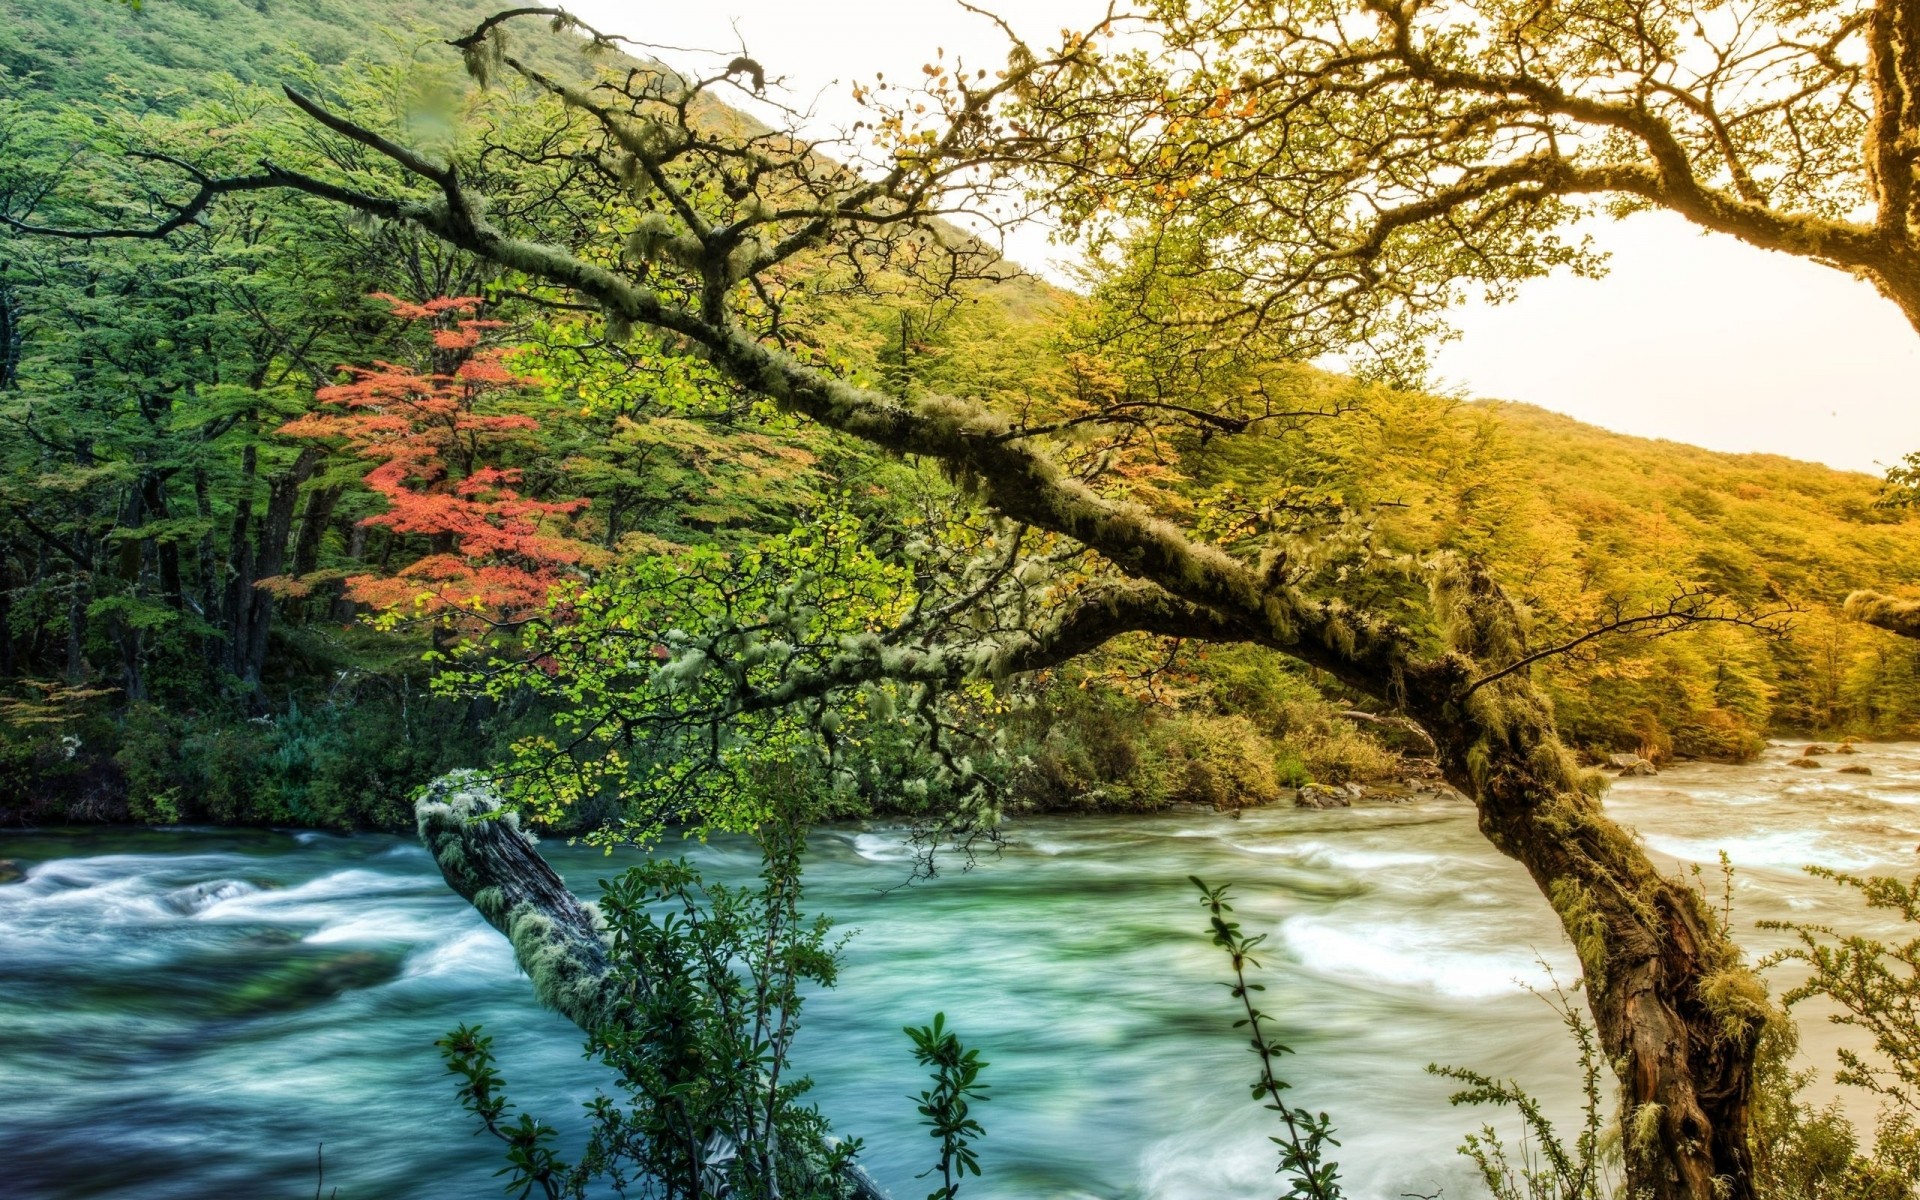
[1690, 608]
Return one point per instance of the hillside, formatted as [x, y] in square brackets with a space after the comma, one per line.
[1582, 523]
[176, 593]
[171, 50]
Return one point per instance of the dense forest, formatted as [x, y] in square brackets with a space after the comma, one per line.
[412, 417]
[202, 544]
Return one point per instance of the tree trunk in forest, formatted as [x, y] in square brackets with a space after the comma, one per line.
[269, 560]
[556, 939]
[314, 518]
[76, 633]
[344, 608]
[208, 600]
[166, 552]
[12, 336]
[239, 599]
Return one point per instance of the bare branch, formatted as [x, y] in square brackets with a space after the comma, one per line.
[1690, 608]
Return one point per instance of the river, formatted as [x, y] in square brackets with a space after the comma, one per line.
[193, 1013]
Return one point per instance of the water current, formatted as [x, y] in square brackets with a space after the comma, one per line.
[195, 1013]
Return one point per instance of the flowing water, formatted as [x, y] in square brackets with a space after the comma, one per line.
[192, 1013]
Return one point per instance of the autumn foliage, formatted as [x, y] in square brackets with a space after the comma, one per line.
[436, 449]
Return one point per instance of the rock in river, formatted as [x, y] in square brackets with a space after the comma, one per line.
[1316, 795]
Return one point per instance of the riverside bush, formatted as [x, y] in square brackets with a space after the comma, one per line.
[352, 765]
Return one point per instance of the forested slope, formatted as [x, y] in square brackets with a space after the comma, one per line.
[167, 53]
[211, 556]
[1583, 523]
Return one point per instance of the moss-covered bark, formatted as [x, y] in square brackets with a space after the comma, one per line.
[1886, 612]
[557, 938]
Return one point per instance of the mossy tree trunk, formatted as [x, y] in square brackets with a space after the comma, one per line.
[1886, 612]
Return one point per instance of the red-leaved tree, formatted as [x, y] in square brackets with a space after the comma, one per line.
[487, 548]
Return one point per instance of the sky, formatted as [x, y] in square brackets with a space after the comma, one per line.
[1692, 337]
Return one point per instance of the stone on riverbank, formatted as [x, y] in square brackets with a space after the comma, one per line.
[1316, 795]
[1631, 764]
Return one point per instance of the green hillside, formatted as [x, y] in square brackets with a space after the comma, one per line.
[1584, 524]
[170, 50]
[1633, 514]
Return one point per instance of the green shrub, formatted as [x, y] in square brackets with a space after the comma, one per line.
[1223, 762]
[1336, 752]
[1718, 736]
[150, 761]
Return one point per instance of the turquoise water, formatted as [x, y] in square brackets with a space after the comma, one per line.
[192, 1013]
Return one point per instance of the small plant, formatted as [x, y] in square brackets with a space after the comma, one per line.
[711, 982]
[946, 1109]
[1875, 987]
[1543, 1167]
[532, 1166]
[1303, 1147]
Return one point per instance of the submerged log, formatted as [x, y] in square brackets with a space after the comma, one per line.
[557, 938]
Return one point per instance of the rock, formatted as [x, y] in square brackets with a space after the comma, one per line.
[1846, 748]
[1856, 770]
[11, 871]
[1631, 764]
[1316, 795]
[1353, 790]
[1804, 762]
[1815, 751]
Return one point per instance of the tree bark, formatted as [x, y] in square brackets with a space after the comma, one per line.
[12, 335]
[1678, 1011]
[269, 560]
[238, 604]
[556, 938]
[1886, 612]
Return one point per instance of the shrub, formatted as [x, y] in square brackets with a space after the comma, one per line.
[1718, 736]
[1335, 752]
[150, 762]
[1223, 762]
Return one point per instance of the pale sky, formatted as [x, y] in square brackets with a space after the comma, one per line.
[1691, 337]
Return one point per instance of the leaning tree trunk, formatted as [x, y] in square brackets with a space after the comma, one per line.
[1678, 1011]
[556, 938]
